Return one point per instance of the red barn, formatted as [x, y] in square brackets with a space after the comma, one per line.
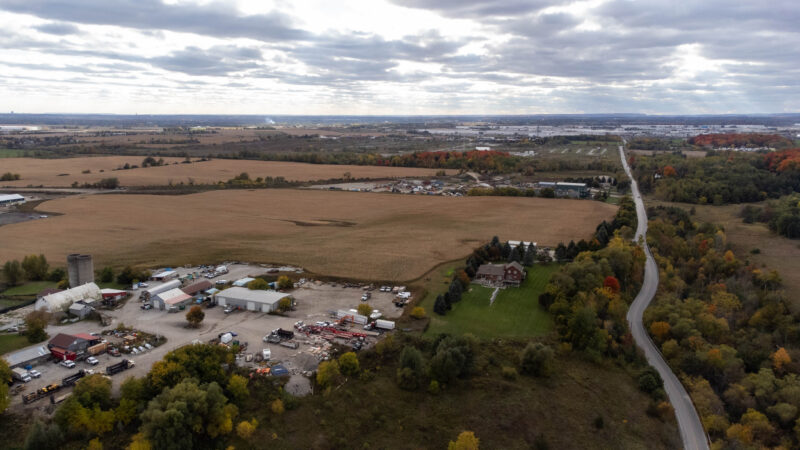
[512, 273]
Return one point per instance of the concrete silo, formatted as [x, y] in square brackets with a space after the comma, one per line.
[80, 269]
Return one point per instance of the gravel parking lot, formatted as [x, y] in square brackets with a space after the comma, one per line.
[314, 301]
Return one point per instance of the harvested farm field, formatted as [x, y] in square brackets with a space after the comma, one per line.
[64, 172]
[347, 234]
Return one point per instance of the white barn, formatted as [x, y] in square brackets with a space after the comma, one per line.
[251, 300]
[61, 301]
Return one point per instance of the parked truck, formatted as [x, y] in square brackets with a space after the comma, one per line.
[72, 379]
[384, 324]
[98, 348]
[289, 344]
[20, 374]
[125, 364]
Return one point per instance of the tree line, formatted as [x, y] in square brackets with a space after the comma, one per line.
[719, 178]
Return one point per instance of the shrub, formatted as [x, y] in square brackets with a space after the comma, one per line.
[245, 429]
[536, 360]
[509, 373]
[466, 441]
[599, 423]
[277, 407]
[418, 312]
[328, 373]
[433, 387]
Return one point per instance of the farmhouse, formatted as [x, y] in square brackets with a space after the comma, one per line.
[512, 273]
[60, 301]
[251, 300]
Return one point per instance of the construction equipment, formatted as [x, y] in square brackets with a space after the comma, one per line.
[40, 393]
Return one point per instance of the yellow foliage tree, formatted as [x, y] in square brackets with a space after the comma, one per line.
[364, 309]
[245, 429]
[277, 406]
[660, 330]
[95, 444]
[139, 443]
[743, 434]
[466, 441]
[418, 312]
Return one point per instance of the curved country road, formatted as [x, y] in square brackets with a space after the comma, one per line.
[692, 433]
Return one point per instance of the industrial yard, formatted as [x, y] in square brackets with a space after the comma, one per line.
[144, 336]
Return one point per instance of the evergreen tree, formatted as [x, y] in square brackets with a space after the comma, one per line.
[506, 250]
[439, 306]
[530, 256]
[454, 292]
[561, 252]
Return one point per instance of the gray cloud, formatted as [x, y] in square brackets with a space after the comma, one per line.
[212, 19]
[479, 8]
[58, 28]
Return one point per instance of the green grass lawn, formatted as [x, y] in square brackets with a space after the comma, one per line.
[11, 342]
[32, 288]
[515, 313]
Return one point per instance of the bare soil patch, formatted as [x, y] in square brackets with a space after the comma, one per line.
[388, 237]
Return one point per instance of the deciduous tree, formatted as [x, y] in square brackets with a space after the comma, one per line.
[195, 315]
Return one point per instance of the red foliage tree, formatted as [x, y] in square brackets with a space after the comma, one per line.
[669, 171]
[611, 283]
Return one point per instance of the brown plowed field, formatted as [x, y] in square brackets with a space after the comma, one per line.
[48, 172]
[348, 234]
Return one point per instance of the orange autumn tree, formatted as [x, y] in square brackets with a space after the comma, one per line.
[780, 358]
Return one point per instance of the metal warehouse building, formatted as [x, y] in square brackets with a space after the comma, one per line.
[251, 300]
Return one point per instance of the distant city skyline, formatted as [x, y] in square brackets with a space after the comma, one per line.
[413, 57]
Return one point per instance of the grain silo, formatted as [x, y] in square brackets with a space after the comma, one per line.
[80, 269]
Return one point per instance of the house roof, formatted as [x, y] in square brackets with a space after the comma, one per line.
[243, 281]
[26, 354]
[88, 292]
[63, 340]
[173, 296]
[78, 306]
[515, 265]
[86, 336]
[194, 288]
[491, 269]
[243, 294]
[10, 197]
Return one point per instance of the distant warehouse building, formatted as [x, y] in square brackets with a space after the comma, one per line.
[11, 199]
[563, 189]
[251, 300]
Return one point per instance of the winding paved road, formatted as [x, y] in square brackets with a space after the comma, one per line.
[692, 433]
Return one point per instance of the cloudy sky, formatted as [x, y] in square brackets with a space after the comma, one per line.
[400, 56]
